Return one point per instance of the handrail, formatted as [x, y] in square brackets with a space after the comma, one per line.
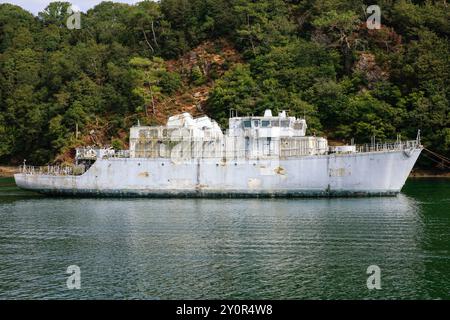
[383, 147]
[53, 170]
[220, 153]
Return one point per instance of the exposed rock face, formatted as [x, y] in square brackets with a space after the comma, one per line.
[213, 58]
[367, 66]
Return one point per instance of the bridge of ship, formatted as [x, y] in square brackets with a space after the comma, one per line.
[247, 138]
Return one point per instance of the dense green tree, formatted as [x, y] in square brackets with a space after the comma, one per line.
[236, 90]
[152, 82]
[262, 24]
[56, 13]
[13, 18]
[338, 29]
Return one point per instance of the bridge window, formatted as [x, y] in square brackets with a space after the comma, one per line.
[285, 123]
[298, 126]
[265, 123]
[247, 124]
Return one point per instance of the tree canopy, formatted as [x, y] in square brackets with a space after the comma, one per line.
[62, 88]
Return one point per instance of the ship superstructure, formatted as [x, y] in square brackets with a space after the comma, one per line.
[185, 138]
[257, 156]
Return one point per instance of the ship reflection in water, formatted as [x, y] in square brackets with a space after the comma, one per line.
[232, 248]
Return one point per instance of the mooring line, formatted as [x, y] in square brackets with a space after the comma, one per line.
[440, 163]
[440, 156]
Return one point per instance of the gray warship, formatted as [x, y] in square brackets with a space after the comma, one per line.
[258, 156]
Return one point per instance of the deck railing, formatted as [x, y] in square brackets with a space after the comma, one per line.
[53, 170]
[383, 147]
[186, 155]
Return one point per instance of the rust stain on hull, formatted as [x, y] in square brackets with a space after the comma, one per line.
[144, 174]
[280, 170]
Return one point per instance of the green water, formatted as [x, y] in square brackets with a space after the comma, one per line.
[230, 248]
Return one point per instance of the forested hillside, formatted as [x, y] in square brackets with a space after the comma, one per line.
[62, 88]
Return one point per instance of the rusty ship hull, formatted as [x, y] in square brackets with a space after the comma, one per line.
[355, 174]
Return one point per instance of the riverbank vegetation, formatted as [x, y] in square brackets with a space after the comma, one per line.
[61, 88]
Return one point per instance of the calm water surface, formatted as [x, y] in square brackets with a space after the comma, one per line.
[204, 248]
